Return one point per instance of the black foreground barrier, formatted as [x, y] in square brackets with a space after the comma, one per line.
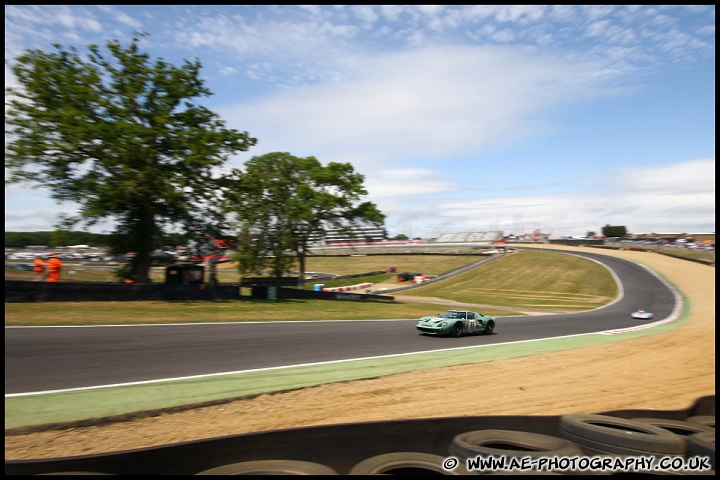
[423, 446]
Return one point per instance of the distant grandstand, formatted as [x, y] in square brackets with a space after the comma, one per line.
[469, 237]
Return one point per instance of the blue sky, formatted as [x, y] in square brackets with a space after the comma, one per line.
[461, 118]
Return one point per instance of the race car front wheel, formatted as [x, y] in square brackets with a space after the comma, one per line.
[489, 328]
[457, 330]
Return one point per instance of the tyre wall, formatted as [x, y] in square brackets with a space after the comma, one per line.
[406, 446]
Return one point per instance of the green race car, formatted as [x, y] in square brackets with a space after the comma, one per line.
[456, 323]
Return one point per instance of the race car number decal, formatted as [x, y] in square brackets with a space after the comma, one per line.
[471, 325]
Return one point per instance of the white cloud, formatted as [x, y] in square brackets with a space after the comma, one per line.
[462, 117]
[686, 178]
[435, 102]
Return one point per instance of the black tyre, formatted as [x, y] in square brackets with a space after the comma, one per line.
[678, 427]
[271, 467]
[408, 463]
[489, 328]
[708, 420]
[621, 432]
[511, 443]
[74, 473]
[703, 445]
[592, 447]
[457, 330]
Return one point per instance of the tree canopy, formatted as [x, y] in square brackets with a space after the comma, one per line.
[282, 203]
[615, 231]
[121, 136]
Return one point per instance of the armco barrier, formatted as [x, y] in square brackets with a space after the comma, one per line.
[348, 288]
[18, 291]
[400, 446]
[28, 291]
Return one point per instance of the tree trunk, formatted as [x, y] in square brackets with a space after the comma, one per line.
[142, 262]
[301, 265]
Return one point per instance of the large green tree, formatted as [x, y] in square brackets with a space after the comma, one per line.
[615, 231]
[283, 203]
[123, 137]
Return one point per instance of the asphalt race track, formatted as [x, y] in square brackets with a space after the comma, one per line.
[56, 358]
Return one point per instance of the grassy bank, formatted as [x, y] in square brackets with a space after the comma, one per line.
[536, 281]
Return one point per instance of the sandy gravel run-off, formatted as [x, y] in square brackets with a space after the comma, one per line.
[667, 371]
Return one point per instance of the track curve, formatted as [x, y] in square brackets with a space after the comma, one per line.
[82, 357]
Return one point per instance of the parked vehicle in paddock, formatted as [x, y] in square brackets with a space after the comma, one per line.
[456, 323]
[641, 315]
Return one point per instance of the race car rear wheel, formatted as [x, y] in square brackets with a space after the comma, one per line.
[457, 330]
